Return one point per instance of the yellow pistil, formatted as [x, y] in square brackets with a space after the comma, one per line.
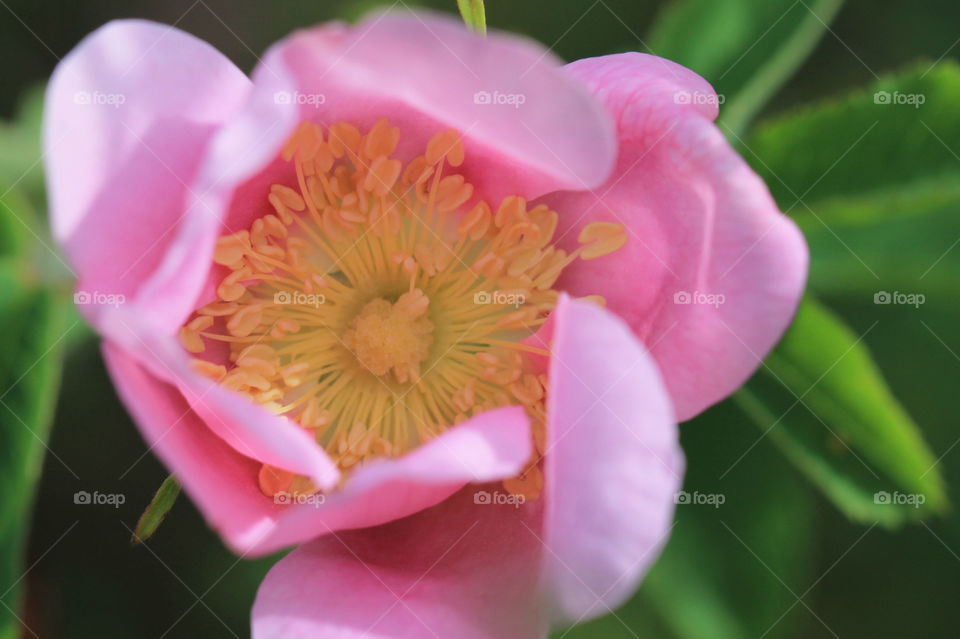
[373, 308]
[395, 337]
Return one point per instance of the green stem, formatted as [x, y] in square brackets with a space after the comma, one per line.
[474, 15]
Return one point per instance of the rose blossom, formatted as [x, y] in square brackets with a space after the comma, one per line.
[401, 259]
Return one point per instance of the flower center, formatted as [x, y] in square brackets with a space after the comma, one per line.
[394, 337]
[371, 306]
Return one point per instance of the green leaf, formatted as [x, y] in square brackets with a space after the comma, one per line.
[32, 332]
[875, 187]
[156, 510]
[21, 159]
[474, 15]
[35, 324]
[871, 149]
[821, 399]
[746, 48]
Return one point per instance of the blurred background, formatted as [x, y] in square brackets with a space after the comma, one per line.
[802, 544]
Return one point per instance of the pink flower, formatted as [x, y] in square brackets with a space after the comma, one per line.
[340, 285]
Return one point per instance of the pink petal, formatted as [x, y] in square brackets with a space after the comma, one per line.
[220, 481]
[129, 113]
[613, 464]
[699, 221]
[492, 446]
[422, 71]
[217, 460]
[459, 570]
[249, 429]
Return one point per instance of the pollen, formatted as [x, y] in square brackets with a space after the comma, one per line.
[376, 303]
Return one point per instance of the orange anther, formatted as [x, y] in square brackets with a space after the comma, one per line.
[230, 248]
[381, 140]
[342, 138]
[191, 340]
[445, 144]
[476, 222]
[208, 369]
[601, 238]
[512, 209]
[303, 143]
[245, 320]
[273, 480]
[288, 197]
[382, 176]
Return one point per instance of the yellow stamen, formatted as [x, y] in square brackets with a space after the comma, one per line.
[378, 302]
